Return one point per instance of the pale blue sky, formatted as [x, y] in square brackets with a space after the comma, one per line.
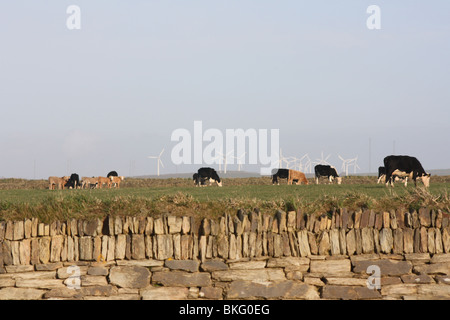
[108, 95]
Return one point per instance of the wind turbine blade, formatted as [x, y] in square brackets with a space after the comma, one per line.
[161, 163]
[161, 152]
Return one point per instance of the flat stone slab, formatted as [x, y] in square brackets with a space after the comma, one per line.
[184, 265]
[21, 294]
[349, 293]
[182, 279]
[164, 293]
[272, 290]
[387, 267]
[130, 276]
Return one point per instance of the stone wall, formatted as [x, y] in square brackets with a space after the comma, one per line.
[246, 256]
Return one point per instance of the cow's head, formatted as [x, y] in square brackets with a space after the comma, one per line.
[339, 180]
[426, 179]
[219, 183]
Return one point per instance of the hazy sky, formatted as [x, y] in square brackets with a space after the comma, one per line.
[106, 96]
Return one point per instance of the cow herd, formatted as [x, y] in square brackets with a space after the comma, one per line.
[112, 179]
[395, 168]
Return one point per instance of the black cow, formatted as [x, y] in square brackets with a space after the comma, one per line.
[73, 182]
[330, 172]
[280, 174]
[112, 174]
[405, 166]
[210, 174]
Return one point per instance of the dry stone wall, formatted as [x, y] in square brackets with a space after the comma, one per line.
[288, 255]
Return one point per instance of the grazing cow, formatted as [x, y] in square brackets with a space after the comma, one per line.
[405, 166]
[330, 172]
[297, 175]
[116, 180]
[103, 180]
[208, 174]
[382, 176]
[112, 174]
[198, 182]
[279, 174]
[89, 182]
[73, 182]
[56, 182]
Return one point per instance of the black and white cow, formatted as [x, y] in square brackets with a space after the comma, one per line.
[330, 172]
[210, 174]
[197, 181]
[382, 176]
[405, 166]
[112, 174]
[73, 182]
[279, 174]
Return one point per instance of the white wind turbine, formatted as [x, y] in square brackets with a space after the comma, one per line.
[353, 162]
[281, 159]
[305, 164]
[159, 162]
[349, 162]
[322, 160]
[223, 158]
[345, 163]
[239, 160]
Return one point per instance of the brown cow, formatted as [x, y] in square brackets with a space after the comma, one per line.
[296, 175]
[87, 182]
[57, 182]
[103, 180]
[116, 180]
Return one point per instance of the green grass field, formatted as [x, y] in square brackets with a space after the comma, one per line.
[25, 199]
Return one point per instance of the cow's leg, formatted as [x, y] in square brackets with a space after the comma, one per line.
[317, 180]
[389, 178]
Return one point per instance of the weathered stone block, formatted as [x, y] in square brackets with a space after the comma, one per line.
[183, 265]
[137, 246]
[86, 248]
[182, 279]
[21, 294]
[213, 265]
[247, 265]
[285, 289]
[255, 275]
[44, 249]
[387, 267]
[330, 266]
[349, 293]
[164, 246]
[386, 240]
[130, 276]
[175, 224]
[164, 293]
[303, 243]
